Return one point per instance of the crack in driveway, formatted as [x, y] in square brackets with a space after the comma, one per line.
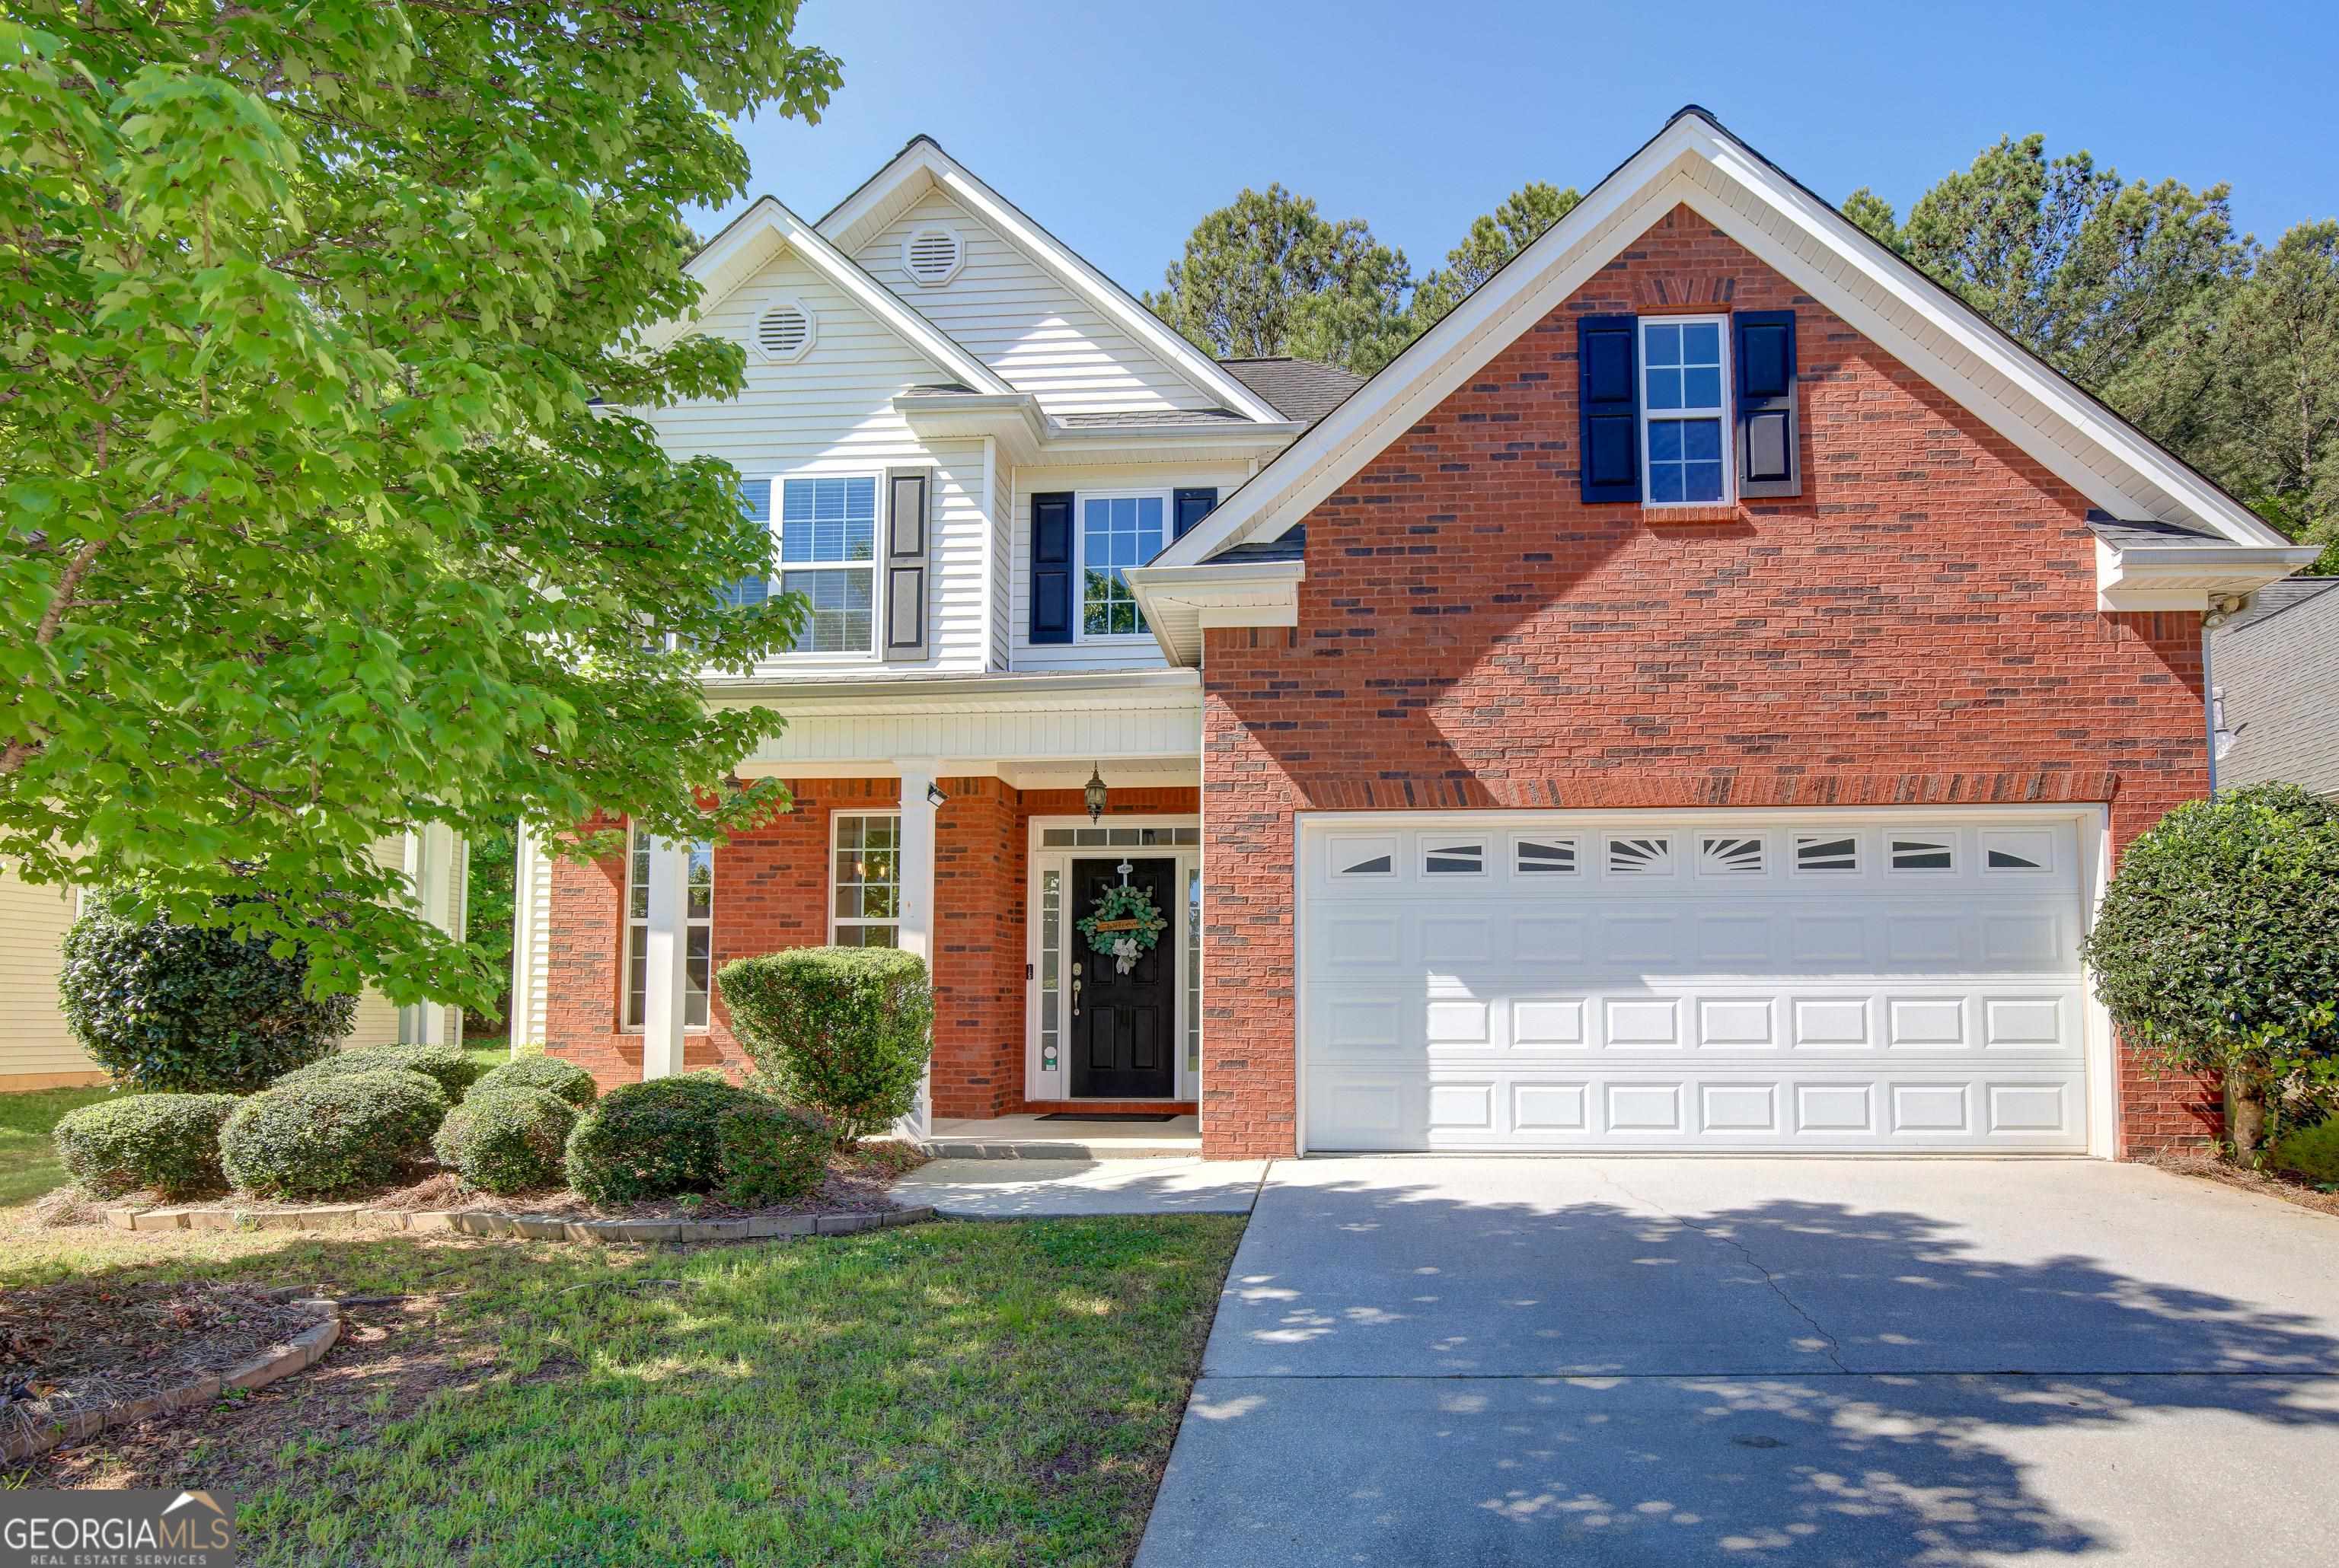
[1834, 1348]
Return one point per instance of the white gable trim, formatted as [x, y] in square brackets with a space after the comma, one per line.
[768, 219]
[1694, 162]
[923, 163]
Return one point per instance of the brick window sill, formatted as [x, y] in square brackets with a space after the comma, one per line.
[1674, 516]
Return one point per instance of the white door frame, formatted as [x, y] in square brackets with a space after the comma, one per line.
[1040, 1082]
[2092, 818]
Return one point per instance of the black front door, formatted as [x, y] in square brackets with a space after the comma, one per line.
[1124, 1026]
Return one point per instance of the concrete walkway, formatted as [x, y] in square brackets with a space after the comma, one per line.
[1045, 1188]
[1677, 1361]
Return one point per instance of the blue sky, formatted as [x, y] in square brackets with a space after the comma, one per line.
[1117, 125]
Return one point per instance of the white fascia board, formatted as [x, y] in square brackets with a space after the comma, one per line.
[2065, 430]
[1029, 435]
[770, 217]
[2189, 576]
[1013, 419]
[924, 159]
[1181, 603]
[953, 692]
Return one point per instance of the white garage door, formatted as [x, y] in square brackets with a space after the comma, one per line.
[1747, 982]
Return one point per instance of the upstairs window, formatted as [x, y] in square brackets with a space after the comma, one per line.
[1117, 532]
[828, 553]
[1684, 410]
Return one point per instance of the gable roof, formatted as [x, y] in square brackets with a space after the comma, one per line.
[922, 165]
[1305, 389]
[1694, 162]
[747, 243]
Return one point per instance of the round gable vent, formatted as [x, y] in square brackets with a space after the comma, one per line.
[784, 331]
[932, 256]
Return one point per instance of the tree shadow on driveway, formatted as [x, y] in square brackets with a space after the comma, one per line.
[1416, 1378]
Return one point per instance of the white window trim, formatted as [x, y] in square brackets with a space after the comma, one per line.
[1080, 499]
[1648, 417]
[871, 655]
[828, 873]
[811, 329]
[626, 1024]
[1187, 1085]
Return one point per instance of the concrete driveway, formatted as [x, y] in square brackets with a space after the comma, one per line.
[1671, 1361]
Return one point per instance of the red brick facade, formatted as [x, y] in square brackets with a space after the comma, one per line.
[770, 892]
[1919, 625]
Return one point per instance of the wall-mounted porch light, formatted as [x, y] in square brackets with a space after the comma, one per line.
[1094, 793]
[935, 797]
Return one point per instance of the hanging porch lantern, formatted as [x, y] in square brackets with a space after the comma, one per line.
[1094, 793]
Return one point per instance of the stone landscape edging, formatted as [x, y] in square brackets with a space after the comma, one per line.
[526, 1227]
[302, 1351]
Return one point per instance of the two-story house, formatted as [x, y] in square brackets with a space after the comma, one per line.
[1688, 700]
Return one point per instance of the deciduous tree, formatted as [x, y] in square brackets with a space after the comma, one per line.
[318, 516]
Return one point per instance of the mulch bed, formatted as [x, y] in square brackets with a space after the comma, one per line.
[856, 1184]
[82, 1344]
[2266, 1183]
[394, 1354]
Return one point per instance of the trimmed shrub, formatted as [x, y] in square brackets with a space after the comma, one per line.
[565, 1079]
[181, 1008]
[772, 1154]
[507, 1139]
[334, 1136]
[2217, 945]
[652, 1140]
[845, 1030]
[2311, 1154]
[442, 1064]
[167, 1142]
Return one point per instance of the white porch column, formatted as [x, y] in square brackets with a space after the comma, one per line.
[919, 822]
[665, 988]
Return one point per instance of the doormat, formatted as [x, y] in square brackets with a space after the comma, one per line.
[1108, 1116]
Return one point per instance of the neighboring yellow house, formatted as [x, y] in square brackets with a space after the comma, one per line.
[38, 1052]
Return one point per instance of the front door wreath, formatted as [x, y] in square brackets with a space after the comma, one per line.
[1124, 923]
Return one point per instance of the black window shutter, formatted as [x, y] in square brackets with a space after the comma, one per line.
[909, 514]
[1769, 459]
[1608, 398]
[1051, 567]
[1191, 507]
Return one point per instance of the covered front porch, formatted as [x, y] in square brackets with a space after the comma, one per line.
[983, 858]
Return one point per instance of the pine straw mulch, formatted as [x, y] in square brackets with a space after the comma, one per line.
[2266, 1183]
[85, 1344]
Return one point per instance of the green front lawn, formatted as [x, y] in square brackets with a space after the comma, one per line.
[945, 1394]
[28, 1160]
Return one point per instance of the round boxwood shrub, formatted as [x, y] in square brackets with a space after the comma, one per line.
[2217, 945]
[652, 1140]
[443, 1064]
[507, 1139]
[183, 1008]
[565, 1079]
[845, 1030]
[169, 1143]
[772, 1154]
[2311, 1153]
[331, 1137]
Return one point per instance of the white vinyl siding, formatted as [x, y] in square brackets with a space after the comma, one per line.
[832, 414]
[1114, 653]
[34, 919]
[1012, 314]
[531, 941]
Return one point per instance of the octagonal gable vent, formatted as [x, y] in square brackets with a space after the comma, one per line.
[933, 256]
[783, 331]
